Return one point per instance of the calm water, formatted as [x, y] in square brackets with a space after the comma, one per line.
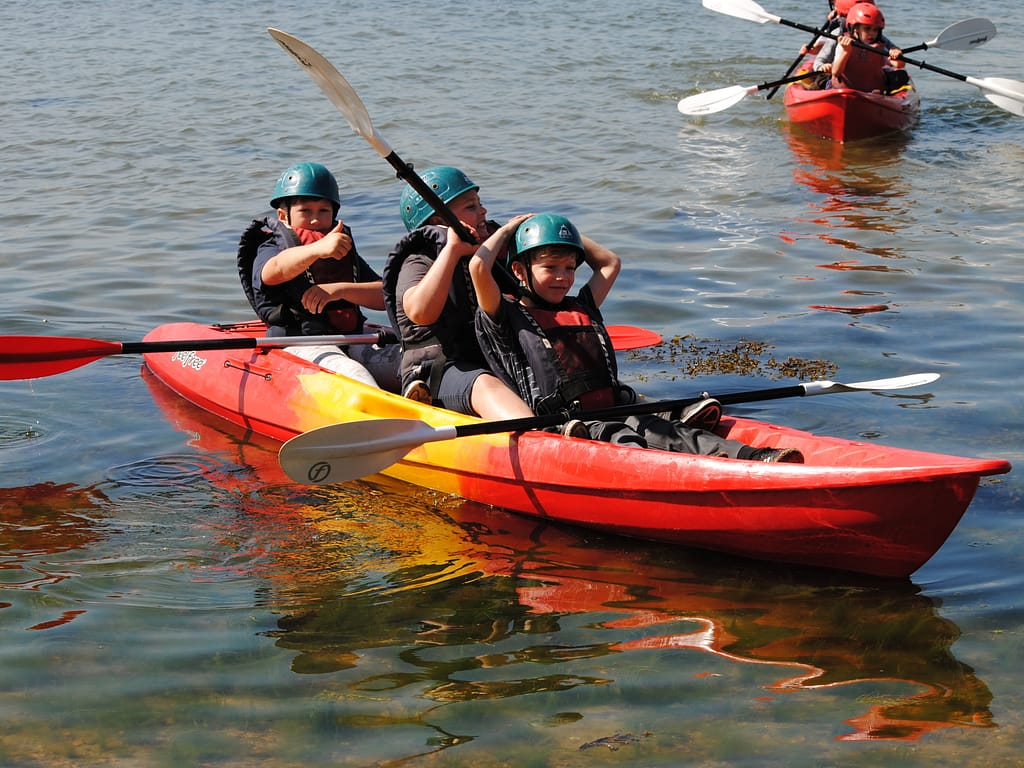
[168, 598]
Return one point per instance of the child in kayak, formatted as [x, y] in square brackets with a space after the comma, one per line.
[833, 24]
[826, 52]
[553, 348]
[303, 275]
[431, 304]
[864, 70]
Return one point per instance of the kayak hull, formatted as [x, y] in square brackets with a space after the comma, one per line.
[853, 506]
[846, 114]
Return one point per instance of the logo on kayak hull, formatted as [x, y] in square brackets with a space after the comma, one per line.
[189, 360]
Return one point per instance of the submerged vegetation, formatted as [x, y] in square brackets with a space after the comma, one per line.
[690, 357]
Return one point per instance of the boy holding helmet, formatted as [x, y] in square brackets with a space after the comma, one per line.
[554, 348]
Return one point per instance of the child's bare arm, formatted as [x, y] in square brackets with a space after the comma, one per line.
[605, 264]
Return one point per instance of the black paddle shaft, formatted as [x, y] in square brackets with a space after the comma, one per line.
[406, 173]
[865, 46]
[800, 56]
[635, 409]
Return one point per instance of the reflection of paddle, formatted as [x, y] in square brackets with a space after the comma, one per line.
[341, 452]
[961, 36]
[1003, 92]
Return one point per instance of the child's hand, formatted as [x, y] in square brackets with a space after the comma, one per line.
[336, 244]
[315, 299]
[515, 221]
[459, 246]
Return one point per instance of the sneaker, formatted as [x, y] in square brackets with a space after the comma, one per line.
[702, 415]
[575, 428]
[777, 456]
[418, 391]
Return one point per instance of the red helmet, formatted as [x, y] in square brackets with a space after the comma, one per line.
[843, 6]
[865, 13]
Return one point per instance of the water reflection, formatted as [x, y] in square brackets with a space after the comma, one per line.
[858, 187]
[858, 205]
[403, 596]
[42, 520]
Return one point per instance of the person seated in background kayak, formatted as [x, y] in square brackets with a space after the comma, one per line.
[864, 70]
[554, 349]
[304, 277]
[431, 304]
[832, 26]
[837, 27]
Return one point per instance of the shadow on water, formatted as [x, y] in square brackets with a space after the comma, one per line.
[481, 605]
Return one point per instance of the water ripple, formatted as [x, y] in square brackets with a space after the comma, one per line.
[166, 471]
[16, 433]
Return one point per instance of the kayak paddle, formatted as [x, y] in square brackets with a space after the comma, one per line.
[1003, 92]
[961, 36]
[33, 357]
[341, 93]
[341, 452]
[799, 57]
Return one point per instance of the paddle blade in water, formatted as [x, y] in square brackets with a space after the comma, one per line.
[31, 357]
[714, 101]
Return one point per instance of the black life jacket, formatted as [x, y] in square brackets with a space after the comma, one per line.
[281, 306]
[425, 348]
[258, 232]
[561, 357]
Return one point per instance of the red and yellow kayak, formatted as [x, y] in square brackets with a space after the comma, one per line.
[846, 114]
[853, 506]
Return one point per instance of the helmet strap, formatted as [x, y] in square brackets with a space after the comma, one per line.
[526, 285]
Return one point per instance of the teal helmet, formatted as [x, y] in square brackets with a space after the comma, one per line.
[446, 181]
[306, 180]
[547, 229]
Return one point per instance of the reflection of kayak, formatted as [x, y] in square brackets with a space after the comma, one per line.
[321, 554]
[384, 549]
[846, 114]
[852, 506]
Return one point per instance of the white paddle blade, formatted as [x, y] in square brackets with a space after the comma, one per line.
[1003, 92]
[964, 35]
[741, 9]
[875, 385]
[334, 86]
[709, 102]
[338, 453]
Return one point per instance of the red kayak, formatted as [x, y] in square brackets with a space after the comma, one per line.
[853, 506]
[846, 114]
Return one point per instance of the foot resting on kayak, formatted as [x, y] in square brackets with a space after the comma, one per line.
[704, 414]
[775, 456]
